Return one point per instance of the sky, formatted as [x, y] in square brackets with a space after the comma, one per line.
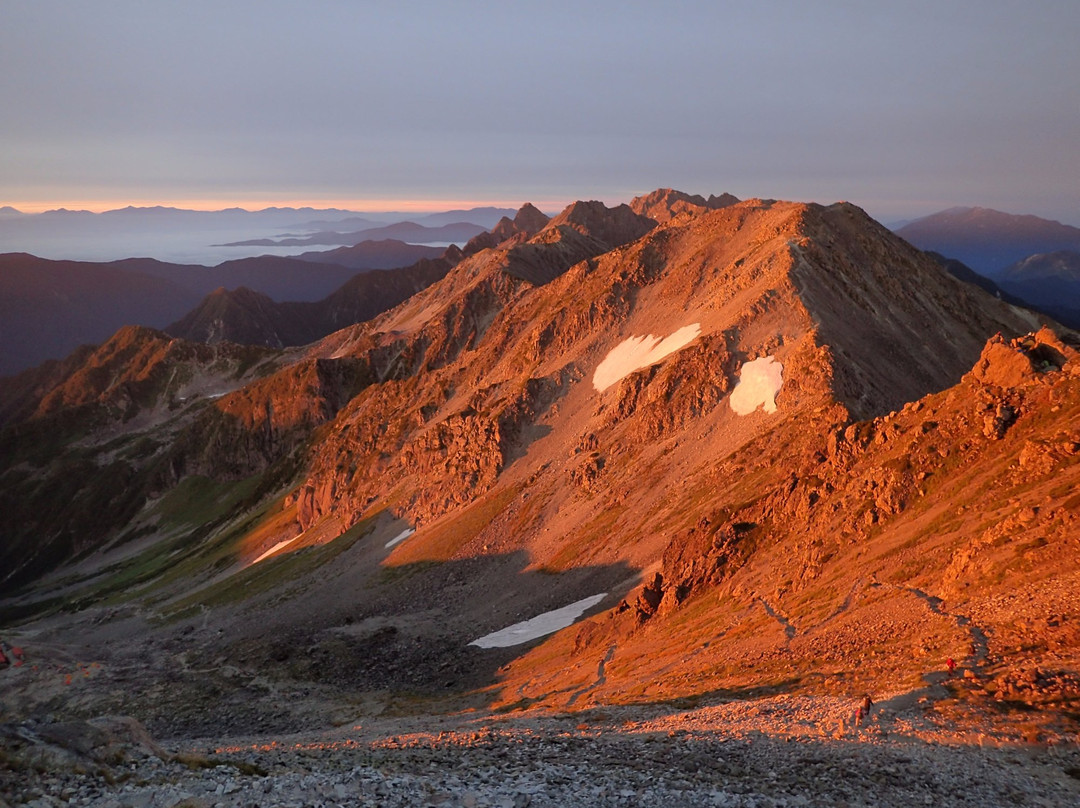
[904, 108]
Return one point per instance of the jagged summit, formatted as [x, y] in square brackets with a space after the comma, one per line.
[529, 219]
[664, 203]
[527, 222]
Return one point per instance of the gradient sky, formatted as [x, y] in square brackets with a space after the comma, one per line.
[904, 109]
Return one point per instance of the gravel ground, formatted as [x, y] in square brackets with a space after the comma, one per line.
[715, 756]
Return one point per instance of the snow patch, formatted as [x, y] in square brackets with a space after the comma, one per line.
[539, 626]
[759, 383]
[274, 549]
[400, 537]
[640, 352]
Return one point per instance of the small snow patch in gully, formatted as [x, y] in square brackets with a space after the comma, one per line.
[759, 383]
[400, 537]
[274, 549]
[640, 352]
[539, 626]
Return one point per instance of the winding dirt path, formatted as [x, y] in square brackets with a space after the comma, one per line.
[787, 625]
[601, 677]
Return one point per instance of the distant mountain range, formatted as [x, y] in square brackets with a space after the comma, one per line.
[988, 240]
[187, 236]
[231, 218]
[1048, 281]
[404, 231]
[1028, 258]
[249, 318]
[48, 308]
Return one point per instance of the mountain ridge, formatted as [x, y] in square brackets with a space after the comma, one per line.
[806, 439]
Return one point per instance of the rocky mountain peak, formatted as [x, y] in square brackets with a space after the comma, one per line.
[529, 219]
[610, 226]
[527, 222]
[665, 203]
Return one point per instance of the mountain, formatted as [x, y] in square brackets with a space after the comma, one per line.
[383, 254]
[48, 308]
[988, 240]
[134, 218]
[1050, 281]
[280, 277]
[247, 317]
[487, 217]
[665, 203]
[963, 272]
[759, 452]
[401, 231]
[527, 222]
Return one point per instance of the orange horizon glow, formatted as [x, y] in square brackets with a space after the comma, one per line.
[356, 205]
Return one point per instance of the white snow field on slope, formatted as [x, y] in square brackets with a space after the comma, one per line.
[400, 537]
[274, 549]
[635, 353]
[759, 383]
[539, 626]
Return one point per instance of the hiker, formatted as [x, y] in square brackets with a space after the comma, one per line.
[950, 663]
[867, 703]
[10, 655]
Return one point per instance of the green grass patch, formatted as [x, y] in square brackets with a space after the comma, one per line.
[272, 573]
[201, 500]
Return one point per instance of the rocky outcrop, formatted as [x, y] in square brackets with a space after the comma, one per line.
[527, 222]
[137, 370]
[249, 430]
[664, 204]
[610, 226]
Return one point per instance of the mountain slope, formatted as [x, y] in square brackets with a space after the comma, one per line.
[249, 318]
[989, 240]
[382, 254]
[779, 408]
[1051, 281]
[862, 560]
[48, 308]
[61, 492]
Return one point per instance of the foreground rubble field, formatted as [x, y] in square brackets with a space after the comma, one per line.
[781, 751]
